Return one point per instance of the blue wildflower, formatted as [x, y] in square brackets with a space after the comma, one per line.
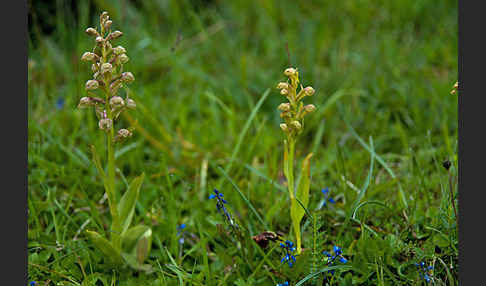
[326, 195]
[181, 232]
[289, 247]
[60, 103]
[286, 283]
[220, 202]
[32, 283]
[424, 272]
[338, 253]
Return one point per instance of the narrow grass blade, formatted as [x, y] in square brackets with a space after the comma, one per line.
[381, 161]
[312, 275]
[245, 130]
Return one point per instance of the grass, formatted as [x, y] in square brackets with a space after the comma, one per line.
[384, 123]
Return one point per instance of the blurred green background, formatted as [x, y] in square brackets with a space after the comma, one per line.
[384, 68]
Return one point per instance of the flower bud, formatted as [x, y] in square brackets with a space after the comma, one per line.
[85, 102]
[283, 85]
[296, 125]
[131, 103]
[122, 134]
[127, 77]
[108, 24]
[284, 91]
[308, 91]
[290, 71]
[116, 101]
[309, 108]
[87, 56]
[106, 68]
[92, 84]
[108, 46]
[104, 15]
[284, 107]
[115, 35]
[92, 32]
[284, 127]
[99, 39]
[119, 50]
[105, 123]
[123, 58]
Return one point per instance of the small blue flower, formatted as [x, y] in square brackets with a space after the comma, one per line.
[60, 103]
[424, 272]
[181, 232]
[289, 247]
[331, 258]
[286, 283]
[32, 283]
[325, 192]
[220, 202]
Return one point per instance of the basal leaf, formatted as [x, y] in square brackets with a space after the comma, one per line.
[105, 247]
[126, 206]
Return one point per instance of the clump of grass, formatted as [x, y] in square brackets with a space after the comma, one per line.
[126, 245]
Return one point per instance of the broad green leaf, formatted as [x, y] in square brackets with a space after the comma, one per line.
[105, 247]
[133, 263]
[297, 211]
[136, 245]
[126, 206]
[133, 235]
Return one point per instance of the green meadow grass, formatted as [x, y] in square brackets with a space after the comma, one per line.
[207, 118]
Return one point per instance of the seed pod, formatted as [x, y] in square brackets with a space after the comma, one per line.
[290, 71]
[105, 124]
[87, 56]
[123, 58]
[283, 85]
[116, 101]
[92, 84]
[284, 107]
[127, 77]
[106, 68]
[131, 103]
[92, 32]
[119, 50]
[308, 91]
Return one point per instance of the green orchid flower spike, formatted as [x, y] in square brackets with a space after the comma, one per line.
[127, 245]
[293, 113]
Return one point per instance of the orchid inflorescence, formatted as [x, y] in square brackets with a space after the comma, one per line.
[294, 111]
[108, 77]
